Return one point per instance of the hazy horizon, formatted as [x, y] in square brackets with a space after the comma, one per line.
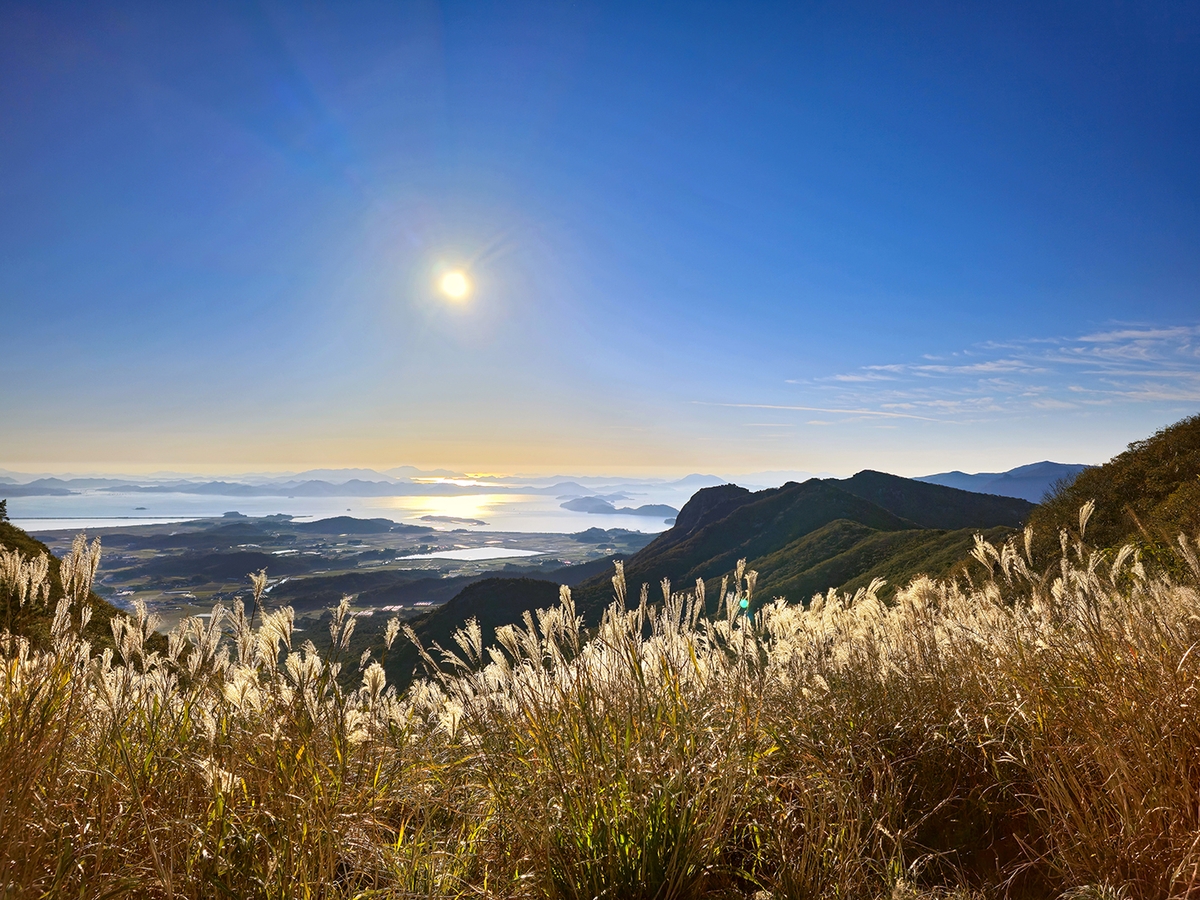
[341, 474]
[439, 500]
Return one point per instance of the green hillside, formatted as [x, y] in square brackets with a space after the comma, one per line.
[937, 507]
[709, 545]
[492, 602]
[801, 538]
[823, 560]
[33, 619]
[933, 553]
[1147, 495]
[804, 538]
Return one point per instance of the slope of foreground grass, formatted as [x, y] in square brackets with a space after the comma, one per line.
[30, 615]
[1034, 734]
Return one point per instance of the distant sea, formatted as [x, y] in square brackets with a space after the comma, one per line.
[498, 512]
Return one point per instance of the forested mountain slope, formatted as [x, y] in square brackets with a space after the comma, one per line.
[1147, 495]
[802, 539]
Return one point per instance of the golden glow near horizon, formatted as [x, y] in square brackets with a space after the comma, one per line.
[455, 284]
[459, 482]
[462, 506]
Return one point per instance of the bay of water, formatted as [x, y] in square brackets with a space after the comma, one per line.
[500, 511]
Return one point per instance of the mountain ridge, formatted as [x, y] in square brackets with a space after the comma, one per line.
[721, 525]
[1032, 482]
[802, 538]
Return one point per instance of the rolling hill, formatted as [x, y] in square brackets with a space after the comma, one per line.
[935, 506]
[1146, 495]
[33, 621]
[802, 539]
[808, 537]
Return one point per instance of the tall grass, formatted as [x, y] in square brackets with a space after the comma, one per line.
[1031, 734]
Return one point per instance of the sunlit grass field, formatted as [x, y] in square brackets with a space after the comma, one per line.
[1032, 732]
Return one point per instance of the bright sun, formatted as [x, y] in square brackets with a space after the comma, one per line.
[455, 285]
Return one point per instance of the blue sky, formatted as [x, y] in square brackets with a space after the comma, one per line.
[714, 237]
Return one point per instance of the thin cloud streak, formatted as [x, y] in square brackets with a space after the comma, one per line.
[1123, 365]
[824, 409]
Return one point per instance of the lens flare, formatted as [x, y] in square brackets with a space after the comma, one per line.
[455, 285]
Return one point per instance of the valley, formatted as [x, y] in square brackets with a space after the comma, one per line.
[183, 569]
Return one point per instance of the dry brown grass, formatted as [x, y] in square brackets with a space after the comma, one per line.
[1030, 734]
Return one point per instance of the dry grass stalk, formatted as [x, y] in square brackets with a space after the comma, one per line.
[1034, 732]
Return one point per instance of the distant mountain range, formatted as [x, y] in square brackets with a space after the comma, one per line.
[1032, 482]
[364, 484]
[40, 488]
[1027, 482]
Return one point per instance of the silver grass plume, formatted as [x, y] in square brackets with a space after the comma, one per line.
[258, 580]
[567, 602]
[78, 569]
[374, 680]
[619, 582]
[341, 625]
[1085, 513]
[470, 639]
[1189, 555]
[393, 629]
[26, 578]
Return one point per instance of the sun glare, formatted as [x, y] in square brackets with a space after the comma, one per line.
[470, 506]
[455, 285]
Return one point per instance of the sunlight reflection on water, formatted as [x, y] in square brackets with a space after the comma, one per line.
[499, 511]
[476, 554]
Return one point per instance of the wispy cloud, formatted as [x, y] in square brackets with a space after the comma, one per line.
[862, 376]
[1122, 365]
[856, 412]
[1178, 333]
[987, 367]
